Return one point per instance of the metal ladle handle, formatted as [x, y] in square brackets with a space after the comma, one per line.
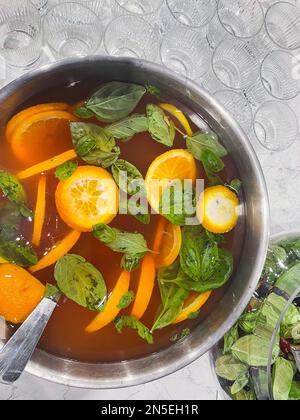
[17, 352]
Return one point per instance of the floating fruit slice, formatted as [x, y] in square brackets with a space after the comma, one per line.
[111, 309]
[192, 305]
[61, 249]
[173, 165]
[167, 243]
[40, 210]
[217, 209]
[20, 293]
[41, 135]
[145, 287]
[179, 115]
[28, 112]
[88, 197]
[47, 165]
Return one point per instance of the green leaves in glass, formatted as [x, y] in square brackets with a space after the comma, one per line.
[131, 322]
[283, 375]
[114, 101]
[94, 145]
[81, 282]
[229, 368]
[161, 128]
[230, 338]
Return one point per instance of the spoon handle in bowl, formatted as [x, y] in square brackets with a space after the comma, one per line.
[17, 352]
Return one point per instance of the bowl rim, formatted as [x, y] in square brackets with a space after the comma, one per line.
[185, 354]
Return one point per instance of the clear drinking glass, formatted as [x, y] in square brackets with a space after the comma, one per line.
[41, 5]
[283, 25]
[186, 52]
[131, 36]
[215, 33]
[140, 7]
[236, 63]
[193, 13]
[210, 82]
[241, 18]
[72, 29]
[276, 125]
[256, 94]
[280, 74]
[103, 8]
[237, 105]
[20, 33]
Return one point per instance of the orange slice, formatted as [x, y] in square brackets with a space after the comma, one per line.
[28, 112]
[193, 304]
[145, 287]
[217, 209]
[20, 293]
[40, 210]
[88, 197]
[111, 309]
[179, 115]
[61, 249]
[41, 135]
[166, 168]
[167, 243]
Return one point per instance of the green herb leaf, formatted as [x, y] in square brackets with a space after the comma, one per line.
[51, 291]
[252, 350]
[229, 368]
[230, 338]
[94, 145]
[131, 262]
[83, 112]
[245, 396]
[153, 90]
[211, 162]
[66, 170]
[161, 128]
[81, 282]
[13, 190]
[240, 383]
[128, 127]
[178, 203]
[126, 300]
[128, 177]
[247, 322]
[115, 100]
[201, 141]
[18, 252]
[120, 241]
[193, 244]
[289, 280]
[236, 185]
[295, 391]
[131, 322]
[185, 333]
[283, 374]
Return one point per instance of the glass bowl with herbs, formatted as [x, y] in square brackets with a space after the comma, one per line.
[258, 359]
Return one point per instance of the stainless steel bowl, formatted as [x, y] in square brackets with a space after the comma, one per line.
[237, 295]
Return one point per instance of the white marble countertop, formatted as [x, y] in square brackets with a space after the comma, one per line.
[197, 381]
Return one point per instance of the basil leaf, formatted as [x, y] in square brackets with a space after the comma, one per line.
[173, 298]
[131, 262]
[211, 162]
[283, 374]
[240, 383]
[83, 112]
[245, 396]
[230, 338]
[51, 291]
[10, 219]
[289, 280]
[295, 391]
[292, 246]
[185, 333]
[248, 322]
[126, 300]
[178, 203]
[13, 190]
[66, 170]
[229, 368]
[131, 322]
[17, 251]
[115, 100]
[236, 185]
[120, 241]
[128, 127]
[153, 90]
[161, 128]
[201, 141]
[94, 145]
[222, 273]
[81, 282]
[138, 209]
[193, 244]
[252, 350]
[128, 177]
